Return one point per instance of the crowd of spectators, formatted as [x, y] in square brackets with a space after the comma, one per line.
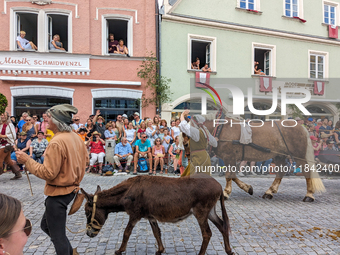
[140, 139]
[148, 139]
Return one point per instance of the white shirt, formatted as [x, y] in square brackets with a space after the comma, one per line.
[22, 41]
[10, 132]
[75, 126]
[176, 131]
[130, 134]
[194, 133]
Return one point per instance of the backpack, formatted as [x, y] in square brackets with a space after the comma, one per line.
[143, 166]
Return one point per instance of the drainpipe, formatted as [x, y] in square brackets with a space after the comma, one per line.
[158, 44]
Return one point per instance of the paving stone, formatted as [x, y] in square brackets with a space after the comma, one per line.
[283, 225]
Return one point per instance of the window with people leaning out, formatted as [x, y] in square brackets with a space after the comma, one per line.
[117, 38]
[200, 55]
[262, 62]
[56, 35]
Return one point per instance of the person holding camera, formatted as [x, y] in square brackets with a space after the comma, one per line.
[97, 151]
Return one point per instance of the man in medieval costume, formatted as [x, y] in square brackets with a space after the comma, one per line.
[63, 169]
[200, 137]
[7, 141]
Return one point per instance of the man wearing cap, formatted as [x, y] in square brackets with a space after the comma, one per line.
[136, 122]
[330, 146]
[7, 141]
[76, 124]
[98, 123]
[63, 169]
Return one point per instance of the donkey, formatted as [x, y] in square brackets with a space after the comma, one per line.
[158, 199]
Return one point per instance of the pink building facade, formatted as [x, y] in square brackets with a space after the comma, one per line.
[86, 75]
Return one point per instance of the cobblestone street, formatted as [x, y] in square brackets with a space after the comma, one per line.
[283, 225]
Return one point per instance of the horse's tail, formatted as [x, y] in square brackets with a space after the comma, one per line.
[315, 178]
[226, 224]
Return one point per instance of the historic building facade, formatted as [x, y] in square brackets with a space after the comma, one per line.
[295, 43]
[85, 74]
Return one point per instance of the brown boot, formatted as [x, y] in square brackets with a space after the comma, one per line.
[75, 251]
[17, 175]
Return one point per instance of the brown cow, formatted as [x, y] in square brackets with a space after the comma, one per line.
[158, 199]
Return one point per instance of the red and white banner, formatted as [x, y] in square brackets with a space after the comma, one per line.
[202, 77]
[333, 31]
[319, 87]
[266, 84]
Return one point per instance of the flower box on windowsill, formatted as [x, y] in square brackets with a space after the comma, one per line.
[195, 71]
[295, 18]
[249, 11]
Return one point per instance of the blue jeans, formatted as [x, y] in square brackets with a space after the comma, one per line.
[41, 158]
[265, 166]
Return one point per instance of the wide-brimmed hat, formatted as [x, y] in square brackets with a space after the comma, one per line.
[324, 135]
[329, 141]
[108, 173]
[23, 133]
[100, 117]
[96, 133]
[63, 112]
[297, 118]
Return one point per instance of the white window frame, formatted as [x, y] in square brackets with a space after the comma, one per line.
[69, 27]
[337, 11]
[256, 5]
[42, 29]
[300, 9]
[129, 19]
[269, 47]
[203, 38]
[325, 55]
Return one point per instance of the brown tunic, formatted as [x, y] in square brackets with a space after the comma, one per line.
[64, 165]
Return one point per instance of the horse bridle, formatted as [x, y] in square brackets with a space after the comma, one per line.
[94, 224]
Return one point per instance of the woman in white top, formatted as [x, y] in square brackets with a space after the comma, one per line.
[151, 132]
[23, 43]
[130, 134]
[175, 131]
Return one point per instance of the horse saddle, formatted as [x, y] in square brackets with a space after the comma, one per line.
[253, 145]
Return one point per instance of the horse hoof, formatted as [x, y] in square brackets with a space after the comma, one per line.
[118, 253]
[250, 191]
[267, 196]
[308, 199]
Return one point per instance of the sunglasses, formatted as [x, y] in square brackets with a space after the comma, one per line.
[143, 136]
[35, 117]
[27, 229]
